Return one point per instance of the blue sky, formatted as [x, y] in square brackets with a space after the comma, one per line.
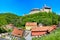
[21, 7]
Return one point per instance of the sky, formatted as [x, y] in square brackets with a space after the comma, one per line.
[21, 7]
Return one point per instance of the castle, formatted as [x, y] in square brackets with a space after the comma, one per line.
[44, 9]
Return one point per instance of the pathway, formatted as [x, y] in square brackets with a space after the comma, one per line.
[28, 37]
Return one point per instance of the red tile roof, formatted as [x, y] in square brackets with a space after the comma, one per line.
[17, 32]
[53, 27]
[31, 24]
[42, 30]
[45, 28]
[38, 33]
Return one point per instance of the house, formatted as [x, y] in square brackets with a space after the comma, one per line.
[17, 32]
[30, 25]
[52, 28]
[10, 26]
[39, 31]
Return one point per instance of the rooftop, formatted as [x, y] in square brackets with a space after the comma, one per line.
[17, 32]
[31, 24]
[35, 9]
[44, 28]
[46, 7]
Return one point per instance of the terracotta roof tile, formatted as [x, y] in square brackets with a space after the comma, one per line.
[40, 29]
[45, 28]
[17, 32]
[38, 33]
[31, 24]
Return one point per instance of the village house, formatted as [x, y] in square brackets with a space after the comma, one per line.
[39, 31]
[17, 32]
[10, 26]
[30, 25]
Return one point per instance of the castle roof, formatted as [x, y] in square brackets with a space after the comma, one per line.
[35, 9]
[46, 7]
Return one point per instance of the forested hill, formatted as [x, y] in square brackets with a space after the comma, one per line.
[6, 18]
[41, 17]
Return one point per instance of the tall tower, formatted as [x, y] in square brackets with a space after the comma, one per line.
[46, 8]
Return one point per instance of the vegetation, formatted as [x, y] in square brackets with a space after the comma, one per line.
[6, 18]
[2, 30]
[19, 21]
[41, 17]
[58, 17]
[55, 35]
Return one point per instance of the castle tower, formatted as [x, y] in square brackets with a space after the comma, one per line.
[46, 8]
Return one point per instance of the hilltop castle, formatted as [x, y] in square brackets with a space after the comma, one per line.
[44, 9]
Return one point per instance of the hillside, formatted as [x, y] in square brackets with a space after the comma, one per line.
[41, 17]
[6, 18]
[19, 21]
[55, 35]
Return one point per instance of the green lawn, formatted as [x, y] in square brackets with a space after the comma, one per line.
[55, 35]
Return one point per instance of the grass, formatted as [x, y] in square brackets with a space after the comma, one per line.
[55, 35]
